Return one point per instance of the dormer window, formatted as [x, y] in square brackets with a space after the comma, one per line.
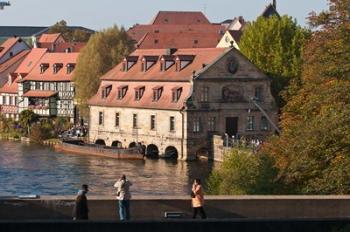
[70, 68]
[128, 62]
[139, 92]
[157, 92]
[166, 62]
[148, 62]
[176, 94]
[43, 67]
[122, 91]
[182, 61]
[106, 90]
[57, 67]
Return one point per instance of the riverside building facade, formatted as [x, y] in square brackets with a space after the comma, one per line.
[172, 101]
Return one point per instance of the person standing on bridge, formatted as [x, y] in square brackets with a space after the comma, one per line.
[124, 196]
[81, 209]
[198, 199]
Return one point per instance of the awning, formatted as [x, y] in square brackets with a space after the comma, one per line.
[38, 93]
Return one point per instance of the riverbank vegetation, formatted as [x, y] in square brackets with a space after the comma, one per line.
[32, 126]
[312, 154]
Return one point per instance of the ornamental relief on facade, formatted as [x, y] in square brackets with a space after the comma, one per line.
[232, 93]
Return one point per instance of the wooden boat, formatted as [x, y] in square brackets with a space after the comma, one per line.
[78, 147]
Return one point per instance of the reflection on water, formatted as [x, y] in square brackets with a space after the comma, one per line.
[34, 169]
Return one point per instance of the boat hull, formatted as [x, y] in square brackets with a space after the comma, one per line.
[130, 154]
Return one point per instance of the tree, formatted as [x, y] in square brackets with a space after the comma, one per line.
[312, 154]
[26, 119]
[275, 45]
[70, 35]
[103, 51]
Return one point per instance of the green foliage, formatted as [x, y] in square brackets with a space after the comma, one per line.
[243, 172]
[42, 130]
[312, 154]
[7, 125]
[104, 50]
[26, 119]
[69, 34]
[275, 45]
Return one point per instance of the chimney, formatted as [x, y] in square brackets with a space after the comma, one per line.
[275, 4]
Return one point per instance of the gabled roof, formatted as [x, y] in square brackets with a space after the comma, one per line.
[137, 32]
[13, 60]
[73, 46]
[8, 44]
[51, 59]
[180, 17]
[26, 65]
[10, 88]
[146, 101]
[201, 56]
[31, 60]
[269, 11]
[49, 38]
[179, 40]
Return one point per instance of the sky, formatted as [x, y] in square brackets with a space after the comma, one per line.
[105, 13]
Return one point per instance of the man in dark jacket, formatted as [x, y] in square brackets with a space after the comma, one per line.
[81, 210]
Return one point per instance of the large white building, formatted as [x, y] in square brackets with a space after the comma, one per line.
[172, 101]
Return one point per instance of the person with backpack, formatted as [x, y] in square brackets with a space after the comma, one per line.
[124, 196]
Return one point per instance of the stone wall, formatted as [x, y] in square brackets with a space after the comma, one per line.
[154, 207]
[161, 137]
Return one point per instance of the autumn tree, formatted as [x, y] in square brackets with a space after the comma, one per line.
[275, 45]
[69, 34]
[312, 154]
[103, 51]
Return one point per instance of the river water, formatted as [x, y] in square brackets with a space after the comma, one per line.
[35, 169]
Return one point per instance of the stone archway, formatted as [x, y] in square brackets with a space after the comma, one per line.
[132, 145]
[152, 151]
[100, 142]
[117, 144]
[171, 152]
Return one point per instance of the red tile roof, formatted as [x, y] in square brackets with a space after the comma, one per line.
[201, 56]
[179, 40]
[13, 60]
[39, 93]
[154, 78]
[51, 59]
[10, 88]
[49, 38]
[31, 60]
[7, 45]
[180, 17]
[137, 32]
[73, 46]
[164, 102]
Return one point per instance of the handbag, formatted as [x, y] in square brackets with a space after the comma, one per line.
[193, 195]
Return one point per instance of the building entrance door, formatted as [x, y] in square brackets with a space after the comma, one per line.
[231, 126]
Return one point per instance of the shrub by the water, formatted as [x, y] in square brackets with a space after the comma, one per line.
[243, 172]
